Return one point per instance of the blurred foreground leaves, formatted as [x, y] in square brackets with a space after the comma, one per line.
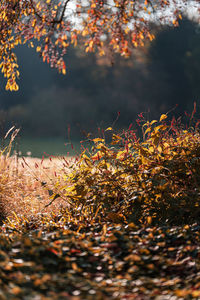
[100, 261]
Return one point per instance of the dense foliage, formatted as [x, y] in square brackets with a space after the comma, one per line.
[155, 179]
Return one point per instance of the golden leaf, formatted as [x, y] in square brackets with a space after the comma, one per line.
[16, 290]
[151, 149]
[109, 128]
[132, 257]
[149, 220]
[152, 122]
[147, 130]
[98, 140]
[163, 117]
[159, 149]
[76, 268]
[120, 154]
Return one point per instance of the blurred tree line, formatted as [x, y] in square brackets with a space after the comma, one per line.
[164, 73]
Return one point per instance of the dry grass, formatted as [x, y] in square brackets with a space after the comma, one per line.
[25, 184]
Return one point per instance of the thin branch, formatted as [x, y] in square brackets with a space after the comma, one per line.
[63, 13]
[35, 11]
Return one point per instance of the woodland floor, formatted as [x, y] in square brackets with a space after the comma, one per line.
[106, 261]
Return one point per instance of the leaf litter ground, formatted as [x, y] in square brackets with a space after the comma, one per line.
[100, 261]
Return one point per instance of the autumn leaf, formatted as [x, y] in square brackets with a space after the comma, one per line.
[163, 117]
[109, 129]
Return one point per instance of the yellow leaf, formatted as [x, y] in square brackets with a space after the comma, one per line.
[132, 257]
[101, 146]
[159, 149]
[91, 43]
[16, 290]
[157, 128]
[85, 32]
[146, 124]
[98, 140]
[163, 117]
[104, 231]
[120, 154]
[116, 137]
[166, 145]
[149, 220]
[85, 157]
[109, 128]
[75, 267]
[196, 294]
[147, 130]
[181, 293]
[101, 52]
[16, 87]
[151, 149]
[152, 122]
[64, 71]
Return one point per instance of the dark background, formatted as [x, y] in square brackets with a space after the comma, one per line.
[163, 74]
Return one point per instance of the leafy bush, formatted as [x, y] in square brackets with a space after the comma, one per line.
[155, 179]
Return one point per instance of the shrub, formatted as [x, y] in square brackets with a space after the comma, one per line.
[155, 179]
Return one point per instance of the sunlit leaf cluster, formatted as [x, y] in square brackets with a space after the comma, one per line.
[152, 179]
[51, 26]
